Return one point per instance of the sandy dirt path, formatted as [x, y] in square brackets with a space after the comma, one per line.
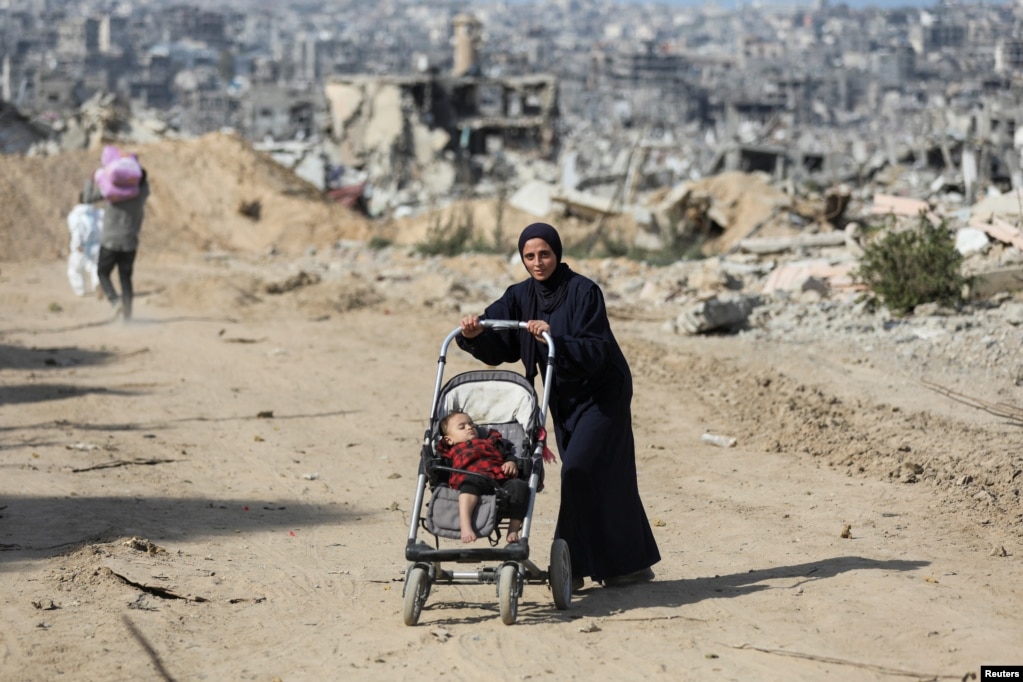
[266, 458]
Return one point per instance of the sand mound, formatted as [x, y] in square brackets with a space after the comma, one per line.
[218, 194]
[198, 187]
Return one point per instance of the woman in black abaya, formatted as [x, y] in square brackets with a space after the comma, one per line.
[601, 515]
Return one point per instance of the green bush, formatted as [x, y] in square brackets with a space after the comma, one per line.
[918, 265]
[456, 233]
[449, 238]
[607, 240]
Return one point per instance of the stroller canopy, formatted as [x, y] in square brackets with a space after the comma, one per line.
[495, 398]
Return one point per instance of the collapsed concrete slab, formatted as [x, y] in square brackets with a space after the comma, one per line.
[885, 204]
[716, 314]
[1000, 280]
[999, 229]
[769, 245]
[402, 128]
[1008, 207]
[585, 205]
[534, 198]
[821, 274]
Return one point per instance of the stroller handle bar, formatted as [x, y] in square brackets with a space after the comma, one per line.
[503, 324]
[499, 325]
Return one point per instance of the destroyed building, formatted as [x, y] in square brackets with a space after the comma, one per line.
[426, 130]
[816, 95]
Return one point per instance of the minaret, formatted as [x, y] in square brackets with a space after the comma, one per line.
[467, 31]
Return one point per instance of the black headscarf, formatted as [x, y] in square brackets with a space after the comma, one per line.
[550, 293]
[545, 296]
[544, 232]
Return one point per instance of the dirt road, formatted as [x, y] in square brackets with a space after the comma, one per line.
[221, 491]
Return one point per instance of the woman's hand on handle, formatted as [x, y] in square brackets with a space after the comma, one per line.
[537, 328]
[471, 327]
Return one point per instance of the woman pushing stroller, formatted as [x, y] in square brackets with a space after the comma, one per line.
[601, 516]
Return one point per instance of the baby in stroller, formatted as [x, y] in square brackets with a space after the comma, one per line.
[490, 457]
[497, 400]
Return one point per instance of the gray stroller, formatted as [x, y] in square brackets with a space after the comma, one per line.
[496, 399]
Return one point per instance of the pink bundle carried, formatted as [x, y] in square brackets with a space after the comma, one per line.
[119, 177]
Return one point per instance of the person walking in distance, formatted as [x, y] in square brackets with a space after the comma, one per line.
[119, 241]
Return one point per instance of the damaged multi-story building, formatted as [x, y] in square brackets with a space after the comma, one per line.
[427, 129]
[824, 93]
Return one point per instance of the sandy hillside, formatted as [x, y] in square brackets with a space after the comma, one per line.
[221, 489]
[198, 188]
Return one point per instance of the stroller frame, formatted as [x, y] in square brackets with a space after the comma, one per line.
[514, 568]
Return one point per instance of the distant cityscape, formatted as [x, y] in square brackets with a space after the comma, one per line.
[819, 80]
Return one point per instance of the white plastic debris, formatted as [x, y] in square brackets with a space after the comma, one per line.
[719, 440]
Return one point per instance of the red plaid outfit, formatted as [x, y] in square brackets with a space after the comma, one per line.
[483, 456]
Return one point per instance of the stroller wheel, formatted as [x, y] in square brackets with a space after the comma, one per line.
[560, 574]
[417, 589]
[508, 593]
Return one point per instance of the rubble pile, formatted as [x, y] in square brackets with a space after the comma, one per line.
[103, 116]
[777, 266]
[718, 295]
[765, 256]
[934, 348]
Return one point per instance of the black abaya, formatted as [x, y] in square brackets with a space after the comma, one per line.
[601, 515]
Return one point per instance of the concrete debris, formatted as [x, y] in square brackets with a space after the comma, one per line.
[101, 119]
[754, 202]
[718, 440]
[583, 205]
[822, 275]
[1008, 207]
[534, 198]
[1000, 280]
[970, 241]
[999, 229]
[767, 245]
[885, 204]
[716, 314]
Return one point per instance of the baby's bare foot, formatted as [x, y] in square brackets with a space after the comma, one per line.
[468, 536]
